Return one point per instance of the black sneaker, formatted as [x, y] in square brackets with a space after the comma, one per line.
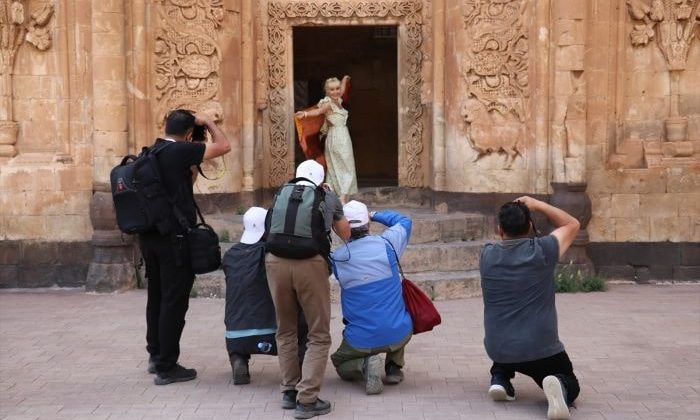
[289, 399]
[501, 389]
[176, 374]
[394, 374]
[151, 365]
[556, 397]
[306, 411]
[241, 373]
[372, 371]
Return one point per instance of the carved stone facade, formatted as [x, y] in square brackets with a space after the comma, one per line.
[494, 96]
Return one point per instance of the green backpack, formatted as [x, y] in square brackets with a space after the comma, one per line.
[294, 224]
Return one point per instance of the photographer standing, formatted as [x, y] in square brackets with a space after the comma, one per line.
[168, 267]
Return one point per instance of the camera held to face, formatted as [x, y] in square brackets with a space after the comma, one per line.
[199, 133]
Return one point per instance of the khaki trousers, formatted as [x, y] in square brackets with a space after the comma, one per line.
[306, 282]
[349, 361]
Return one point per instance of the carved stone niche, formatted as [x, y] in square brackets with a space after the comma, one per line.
[673, 24]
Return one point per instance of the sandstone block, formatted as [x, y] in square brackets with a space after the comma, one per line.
[108, 44]
[105, 23]
[631, 229]
[26, 227]
[569, 9]
[624, 205]
[110, 143]
[689, 204]
[601, 229]
[570, 57]
[75, 178]
[601, 205]
[110, 116]
[683, 180]
[658, 205]
[69, 227]
[109, 68]
[674, 229]
[43, 203]
[570, 32]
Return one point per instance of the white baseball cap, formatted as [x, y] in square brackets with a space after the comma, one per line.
[311, 170]
[253, 225]
[356, 213]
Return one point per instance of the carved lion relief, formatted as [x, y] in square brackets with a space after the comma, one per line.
[188, 56]
[282, 13]
[496, 74]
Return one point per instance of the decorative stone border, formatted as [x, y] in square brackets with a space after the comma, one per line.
[282, 14]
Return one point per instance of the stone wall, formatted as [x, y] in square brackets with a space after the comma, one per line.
[503, 96]
[643, 179]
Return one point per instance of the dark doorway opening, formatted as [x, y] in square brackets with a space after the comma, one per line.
[369, 55]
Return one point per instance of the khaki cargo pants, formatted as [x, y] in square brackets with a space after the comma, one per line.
[306, 282]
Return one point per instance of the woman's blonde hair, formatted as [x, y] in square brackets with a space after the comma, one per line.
[329, 81]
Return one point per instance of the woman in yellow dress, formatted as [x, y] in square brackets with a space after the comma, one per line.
[340, 161]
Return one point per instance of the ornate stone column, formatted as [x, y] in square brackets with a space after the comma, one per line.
[247, 93]
[112, 266]
[439, 169]
[572, 198]
[17, 26]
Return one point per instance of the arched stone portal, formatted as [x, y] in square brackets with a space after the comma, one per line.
[282, 16]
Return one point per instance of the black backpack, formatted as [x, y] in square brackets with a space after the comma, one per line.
[294, 224]
[140, 200]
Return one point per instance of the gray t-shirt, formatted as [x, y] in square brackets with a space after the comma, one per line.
[332, 209]
[520, 317]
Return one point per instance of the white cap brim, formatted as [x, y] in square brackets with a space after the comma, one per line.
[251, 236]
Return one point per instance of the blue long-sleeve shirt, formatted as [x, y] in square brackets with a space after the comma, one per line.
[371, 293]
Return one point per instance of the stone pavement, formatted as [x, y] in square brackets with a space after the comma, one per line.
[69, 355]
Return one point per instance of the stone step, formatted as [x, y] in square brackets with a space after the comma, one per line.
[393, 197]
[438, 285]
[439, 256]
[427, 226]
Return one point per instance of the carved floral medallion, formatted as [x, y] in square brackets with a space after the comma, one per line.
[188, 56]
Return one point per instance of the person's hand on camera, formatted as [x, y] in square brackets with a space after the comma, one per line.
[201, 119]
[531, 203]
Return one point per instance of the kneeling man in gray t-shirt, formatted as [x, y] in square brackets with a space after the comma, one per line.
[520, 318]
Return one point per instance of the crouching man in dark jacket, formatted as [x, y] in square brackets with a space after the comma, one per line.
[250, 313]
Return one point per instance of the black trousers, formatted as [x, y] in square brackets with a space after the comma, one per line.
[170, 280]
[558, 365]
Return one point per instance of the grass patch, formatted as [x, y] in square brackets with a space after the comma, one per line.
[569, 279]
[224, 236]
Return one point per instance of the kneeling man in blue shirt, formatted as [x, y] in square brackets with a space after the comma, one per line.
[374, 313]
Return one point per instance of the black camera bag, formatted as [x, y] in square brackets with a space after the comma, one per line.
[205, 252]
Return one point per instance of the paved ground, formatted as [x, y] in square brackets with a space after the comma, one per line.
[68, 355]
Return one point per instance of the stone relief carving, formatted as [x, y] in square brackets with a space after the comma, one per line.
[281, 12]
[188, 56]
[496, 73]
[673, 23]
[17, 27]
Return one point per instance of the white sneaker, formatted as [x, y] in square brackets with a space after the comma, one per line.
[373, 374]
[553, 389]
[499, 393]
